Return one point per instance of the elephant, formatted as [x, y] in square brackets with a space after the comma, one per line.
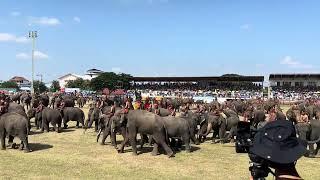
[44, 100]
[162, 112]
[108, 128]
[72, 114]
[146, 123]
[93, 116]
[178, 127]
[223, 124]
[68, 101]
[16, 98]
[25, 99]
[80, 101]
[17, 108]
[193, 119]
[32, 113]
[13, 124]
[52, 116]
[310, 132]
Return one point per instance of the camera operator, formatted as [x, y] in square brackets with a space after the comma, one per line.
[276, 146]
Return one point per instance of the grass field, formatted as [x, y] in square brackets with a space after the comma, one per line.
[74, 155]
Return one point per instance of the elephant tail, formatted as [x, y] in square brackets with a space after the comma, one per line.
[166, 133]
[98, 135]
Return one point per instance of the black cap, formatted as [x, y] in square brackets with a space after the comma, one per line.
[278, 143]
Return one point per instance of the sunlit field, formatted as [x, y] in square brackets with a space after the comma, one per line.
[74, 155]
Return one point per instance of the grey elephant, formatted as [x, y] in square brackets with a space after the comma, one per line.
[178, 127]
[26, 100]
[52, 116]
[14, 124]
[108, 127]
[146, 123]
[72, 114]
[310, 132]
[223, 124]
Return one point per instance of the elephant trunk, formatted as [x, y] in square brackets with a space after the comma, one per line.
[314, 142]
[208, 129]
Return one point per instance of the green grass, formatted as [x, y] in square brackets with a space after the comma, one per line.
[74, 155]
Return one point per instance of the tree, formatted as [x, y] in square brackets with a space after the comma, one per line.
[79, 83]
[9, 84]
[55, 86]
[39, 87]
[111, 81]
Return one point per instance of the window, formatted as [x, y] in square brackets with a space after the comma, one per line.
[278, 83]
[298, 84]
[287, 84]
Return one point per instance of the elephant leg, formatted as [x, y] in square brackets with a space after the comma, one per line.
[144, 139]
[106, 133]
[222, 133]
[151, 140]
[113, 137]
[318, 148]
[133, 141]
[10, 142]
[155, 150]
[3, 141]
[311, 150]
[65, 121]
[77, 125]
[160, 140]
[124, 142]
[96, 125]
[26, 145]
[231, 134]
[186, 141]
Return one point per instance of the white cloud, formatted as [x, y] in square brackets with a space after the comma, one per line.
[116, 69]
[22, 56]
[15, 13]
[245, 26]
[6, 37]
[292, 63]
[48, 21]
[40, 55]
[37, 55]
[77, 19]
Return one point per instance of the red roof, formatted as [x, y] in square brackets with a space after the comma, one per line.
[18, 78]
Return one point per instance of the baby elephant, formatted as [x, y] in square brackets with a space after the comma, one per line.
[52, 116]
[14, 124]
[72, 114]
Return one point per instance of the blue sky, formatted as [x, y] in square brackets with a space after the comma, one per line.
[160, 37]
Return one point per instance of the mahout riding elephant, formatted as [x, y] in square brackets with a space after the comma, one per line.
[52, 116]
[12, 125]
[72, 114]
[146, 123]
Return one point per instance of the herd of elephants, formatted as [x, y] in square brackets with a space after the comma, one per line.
[157, 125]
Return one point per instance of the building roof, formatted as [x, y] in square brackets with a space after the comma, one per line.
[18, 78]
[280, 76]
[94, 71]
[70, 74]
[203, 78]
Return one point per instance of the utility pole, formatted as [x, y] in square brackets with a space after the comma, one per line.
[33, 35]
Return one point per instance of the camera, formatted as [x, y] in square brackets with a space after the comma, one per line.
[244, 137]
[259, 167]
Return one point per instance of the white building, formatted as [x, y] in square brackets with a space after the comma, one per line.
[63, 80]
[90, 74]
[294, 80]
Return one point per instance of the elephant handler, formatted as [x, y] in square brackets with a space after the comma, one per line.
[276, 146]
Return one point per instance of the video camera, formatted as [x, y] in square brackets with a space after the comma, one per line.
[244, 137]
[259, 167]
